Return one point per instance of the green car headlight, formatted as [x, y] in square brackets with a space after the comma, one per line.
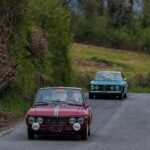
[92, 87]
[112, 88]
[117, 88]
[96, 87]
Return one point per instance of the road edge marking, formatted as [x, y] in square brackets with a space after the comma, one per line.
[6, 132]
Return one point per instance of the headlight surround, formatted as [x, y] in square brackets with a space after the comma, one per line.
[92, 87]
[72, 120]
[80, 120]
[31, 120]
[40, 120]
[117, 88]
[96, 87]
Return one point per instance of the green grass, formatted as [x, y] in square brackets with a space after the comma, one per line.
[14, 105]
[88, 59]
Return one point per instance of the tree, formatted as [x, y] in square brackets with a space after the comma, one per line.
[119, 12]
[146, 13]
[91, 8]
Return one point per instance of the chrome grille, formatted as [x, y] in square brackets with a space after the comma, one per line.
[56, 121]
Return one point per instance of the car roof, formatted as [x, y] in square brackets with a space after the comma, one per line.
[74, 88]
[108, 72]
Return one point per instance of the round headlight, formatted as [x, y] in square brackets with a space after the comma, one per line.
[72, 120]
[112, 88]
[96, 87]
[31, 120]
[39, 120]
[80, 120]
[92, 87]
[117, 88]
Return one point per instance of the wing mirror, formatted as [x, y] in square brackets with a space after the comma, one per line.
[86, 106]
[125, 79]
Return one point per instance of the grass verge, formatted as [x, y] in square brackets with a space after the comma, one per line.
[88, 59]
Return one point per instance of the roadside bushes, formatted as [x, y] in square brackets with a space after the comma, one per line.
[141, 80]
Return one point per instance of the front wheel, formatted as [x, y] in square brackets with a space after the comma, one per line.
[91, 96]
[121, 96]
[85, 133]
[30, 134]
[125, 95]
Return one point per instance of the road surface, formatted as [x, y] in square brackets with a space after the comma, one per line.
[117, 125]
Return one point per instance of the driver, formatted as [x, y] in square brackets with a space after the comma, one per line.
[70, 95]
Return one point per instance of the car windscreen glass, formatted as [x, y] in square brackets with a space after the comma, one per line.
[60, 95]
[108, 76]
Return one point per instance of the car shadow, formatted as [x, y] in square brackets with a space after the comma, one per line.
[58, 137]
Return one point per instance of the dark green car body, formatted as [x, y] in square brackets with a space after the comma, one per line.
[108, 83]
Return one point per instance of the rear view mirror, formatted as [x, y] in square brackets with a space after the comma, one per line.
[125, 79]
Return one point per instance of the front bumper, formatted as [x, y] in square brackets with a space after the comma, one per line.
[105, 92]
[56, 129]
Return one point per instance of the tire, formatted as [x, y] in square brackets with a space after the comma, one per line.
[85, 133]
[91, 96]
[121, 96]
[125, 95]
[89, 133]
[30, 134]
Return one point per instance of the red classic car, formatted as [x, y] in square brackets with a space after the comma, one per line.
[60, 110]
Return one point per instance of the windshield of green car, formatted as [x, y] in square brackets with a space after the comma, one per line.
[59, 96]
[109, 76]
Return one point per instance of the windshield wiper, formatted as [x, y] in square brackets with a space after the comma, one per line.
[41, 103]
[70, 103]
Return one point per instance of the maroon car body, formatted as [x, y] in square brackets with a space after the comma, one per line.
[57, 116]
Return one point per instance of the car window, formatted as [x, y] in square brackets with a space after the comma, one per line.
[108, 76]
[57, 95]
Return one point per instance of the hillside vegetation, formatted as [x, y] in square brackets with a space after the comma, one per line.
[88, 59]
[34, 44]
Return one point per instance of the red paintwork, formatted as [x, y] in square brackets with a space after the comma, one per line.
[64, 111]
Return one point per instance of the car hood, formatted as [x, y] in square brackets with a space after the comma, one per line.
[98, 82]
[57, 111]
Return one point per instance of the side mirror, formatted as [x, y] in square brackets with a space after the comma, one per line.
[86, 106]
[125, 79]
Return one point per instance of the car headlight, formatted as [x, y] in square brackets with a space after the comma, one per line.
[72, 120]
[31, 120]
[80, 120]
[40, 120]
[92, 87]
[112, 88]
[96, 87]
[117, 88]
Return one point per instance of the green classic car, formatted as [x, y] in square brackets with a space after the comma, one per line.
[108, 83]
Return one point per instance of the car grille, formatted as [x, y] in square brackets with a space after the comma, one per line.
[105, 88]
[56, 121]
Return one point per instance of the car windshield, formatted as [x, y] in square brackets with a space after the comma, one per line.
[59, 95]
[109, 76]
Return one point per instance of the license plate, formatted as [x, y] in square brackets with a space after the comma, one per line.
[55, 129]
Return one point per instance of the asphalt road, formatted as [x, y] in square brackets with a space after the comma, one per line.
[117, 125]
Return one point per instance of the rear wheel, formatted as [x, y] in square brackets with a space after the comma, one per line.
[30, 134]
